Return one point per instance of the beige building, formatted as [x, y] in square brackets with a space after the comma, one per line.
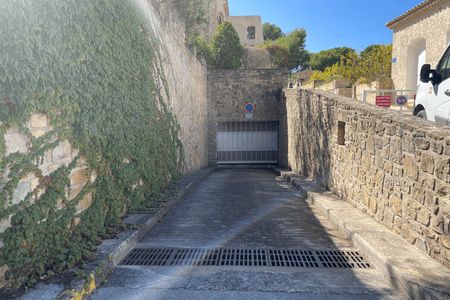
[218, 11]
[249, 28]
[420, 36]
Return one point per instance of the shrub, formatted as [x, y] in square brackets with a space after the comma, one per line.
[279, 56]
[202, 48]
[226, 49]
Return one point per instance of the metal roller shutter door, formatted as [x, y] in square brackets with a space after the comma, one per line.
[247, 143]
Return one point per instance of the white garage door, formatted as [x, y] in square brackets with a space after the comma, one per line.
[247, 143]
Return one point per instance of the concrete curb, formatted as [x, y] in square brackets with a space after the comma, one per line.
[407, 268]
[104, 266]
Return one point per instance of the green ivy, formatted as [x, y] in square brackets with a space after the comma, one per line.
[88, 66]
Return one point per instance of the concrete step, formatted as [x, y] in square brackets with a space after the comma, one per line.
[407, 268]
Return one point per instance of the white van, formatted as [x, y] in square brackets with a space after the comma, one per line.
[433, 92]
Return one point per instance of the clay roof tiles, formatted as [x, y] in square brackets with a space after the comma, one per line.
[415, 11]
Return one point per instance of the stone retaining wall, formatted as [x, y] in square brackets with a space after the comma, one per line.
[371, 86]
[186, 79]
[229, 90]
[62, 155]
[392, 166]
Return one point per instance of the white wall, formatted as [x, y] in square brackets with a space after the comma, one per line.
[416, 57]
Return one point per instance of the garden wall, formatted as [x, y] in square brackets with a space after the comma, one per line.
[392, 166]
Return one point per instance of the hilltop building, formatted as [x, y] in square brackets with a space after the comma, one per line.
[249, 28]
[250, 31]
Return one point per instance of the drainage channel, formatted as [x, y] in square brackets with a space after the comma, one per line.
[246, 257]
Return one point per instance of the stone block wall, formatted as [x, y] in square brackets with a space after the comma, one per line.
[393, 167]
[186, 79]
[61, 155]
[229, 90]
[346, 92]
[256, 58]
[372, 86]
[183, 78]
[332, 86]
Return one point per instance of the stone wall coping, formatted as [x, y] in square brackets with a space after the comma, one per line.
[245, 71]
[389, 116]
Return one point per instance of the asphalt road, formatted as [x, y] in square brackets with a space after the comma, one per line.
[244, 209]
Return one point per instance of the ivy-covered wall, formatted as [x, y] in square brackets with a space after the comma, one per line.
[186, 78]
[90, 119]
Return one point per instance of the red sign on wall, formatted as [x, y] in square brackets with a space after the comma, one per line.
[383, 101]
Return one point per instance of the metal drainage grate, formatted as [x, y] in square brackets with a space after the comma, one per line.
[194, 257]
[246, 257]
[242, 257]
[342, 259]
[148, 257]
[292, 258]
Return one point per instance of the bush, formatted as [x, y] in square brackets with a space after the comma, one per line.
[329, 74]
[279, 56]
[202, 48]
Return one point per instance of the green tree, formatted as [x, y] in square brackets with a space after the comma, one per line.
[351, 67]
[369, 50]
[272, 32]
[377, 61]
[374, 63]
[294, 43]
[326, 58]
[226, 49]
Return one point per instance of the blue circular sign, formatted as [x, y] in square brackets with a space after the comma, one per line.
[249, 107]
[402, 100]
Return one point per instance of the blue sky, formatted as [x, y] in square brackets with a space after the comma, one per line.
[329, 23]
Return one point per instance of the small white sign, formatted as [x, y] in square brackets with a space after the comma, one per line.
[249, 116]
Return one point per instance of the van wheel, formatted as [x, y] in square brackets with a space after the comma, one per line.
[422, 114]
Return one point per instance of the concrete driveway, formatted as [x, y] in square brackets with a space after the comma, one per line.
[244, 209]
